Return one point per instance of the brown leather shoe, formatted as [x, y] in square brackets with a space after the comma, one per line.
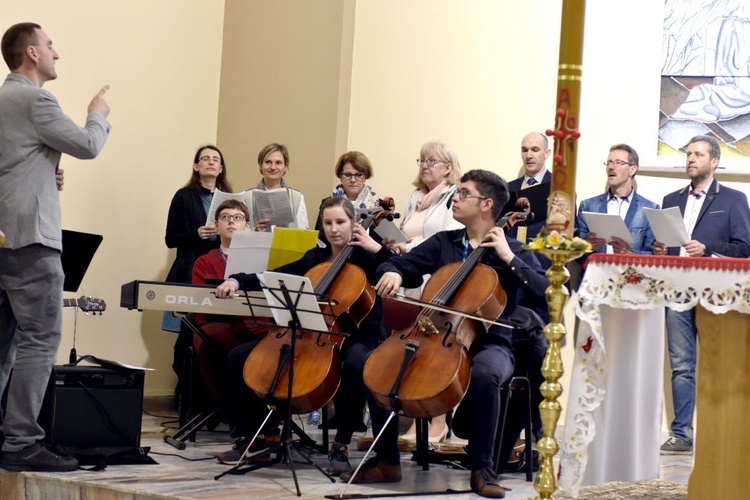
[485, 484]
[374, 471]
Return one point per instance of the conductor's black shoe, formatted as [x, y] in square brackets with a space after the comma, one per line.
[37, 458]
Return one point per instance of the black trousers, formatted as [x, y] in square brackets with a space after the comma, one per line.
[350, 399]
[246, 411]
[477, 416]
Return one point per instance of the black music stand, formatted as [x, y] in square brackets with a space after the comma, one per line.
[287, 306]
[77, 253]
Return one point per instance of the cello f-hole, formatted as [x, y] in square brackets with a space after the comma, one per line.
[448, 329]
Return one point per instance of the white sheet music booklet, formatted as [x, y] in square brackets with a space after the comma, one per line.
[608, 225]
[667, 226]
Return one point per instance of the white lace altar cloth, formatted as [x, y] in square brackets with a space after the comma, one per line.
[635, 282]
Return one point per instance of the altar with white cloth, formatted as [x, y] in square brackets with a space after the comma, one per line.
[613, 421]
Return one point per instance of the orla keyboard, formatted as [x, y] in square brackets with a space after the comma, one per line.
[159, 296]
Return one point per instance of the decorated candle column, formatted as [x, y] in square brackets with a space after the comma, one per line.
[560, 218]
[561, 205]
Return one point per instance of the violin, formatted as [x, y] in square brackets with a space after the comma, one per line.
[317, 367]
[424, 370]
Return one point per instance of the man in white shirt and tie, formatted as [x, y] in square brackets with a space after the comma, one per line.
[534, 153]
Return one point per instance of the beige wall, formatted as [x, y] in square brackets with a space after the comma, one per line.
[473, 74]
[162, 60]
[284, 78]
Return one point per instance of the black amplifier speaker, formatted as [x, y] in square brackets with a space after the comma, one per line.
[91, 406]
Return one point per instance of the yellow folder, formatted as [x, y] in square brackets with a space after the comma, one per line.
[289, 245]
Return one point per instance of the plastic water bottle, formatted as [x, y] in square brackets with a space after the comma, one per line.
[315, 418]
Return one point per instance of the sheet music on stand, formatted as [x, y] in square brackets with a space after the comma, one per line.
[305, 300]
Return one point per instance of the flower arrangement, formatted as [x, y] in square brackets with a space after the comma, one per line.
[558, 241]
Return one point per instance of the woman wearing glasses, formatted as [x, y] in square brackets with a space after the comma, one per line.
[273, 162]
[188, 233]
[186, 223]
[353, 169]
[428, 211]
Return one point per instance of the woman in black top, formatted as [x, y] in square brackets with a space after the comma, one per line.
[186, 231]
[246, 412]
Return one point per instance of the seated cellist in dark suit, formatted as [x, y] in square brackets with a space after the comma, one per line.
[480, 197]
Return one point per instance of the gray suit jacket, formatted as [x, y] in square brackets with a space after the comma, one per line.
[34, 132]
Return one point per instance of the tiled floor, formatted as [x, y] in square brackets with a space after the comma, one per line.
[178, 475]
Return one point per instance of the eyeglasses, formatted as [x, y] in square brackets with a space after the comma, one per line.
[464, 193]
[353, 175]
[234, 217]
[207, 159]
[617, 163]
[430, 162]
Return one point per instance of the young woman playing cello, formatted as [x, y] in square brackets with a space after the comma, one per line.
[247, 410]
[480, 197]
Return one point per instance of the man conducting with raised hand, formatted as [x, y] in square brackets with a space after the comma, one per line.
[34, 133]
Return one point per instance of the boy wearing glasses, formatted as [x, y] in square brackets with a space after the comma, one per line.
[620, 199]
[477, 203]
[224, 331]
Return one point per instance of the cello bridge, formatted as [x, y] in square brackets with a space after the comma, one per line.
[425, 325]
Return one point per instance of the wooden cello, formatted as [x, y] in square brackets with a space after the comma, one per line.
[424, 370]
[317, 367]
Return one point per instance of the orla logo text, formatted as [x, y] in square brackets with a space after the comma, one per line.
[186, 300]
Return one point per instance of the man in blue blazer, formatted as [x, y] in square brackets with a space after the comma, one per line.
[620, 199]
[534, 153]
[34, 133]
[717, 220]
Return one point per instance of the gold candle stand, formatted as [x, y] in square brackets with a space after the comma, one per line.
[545, 482]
